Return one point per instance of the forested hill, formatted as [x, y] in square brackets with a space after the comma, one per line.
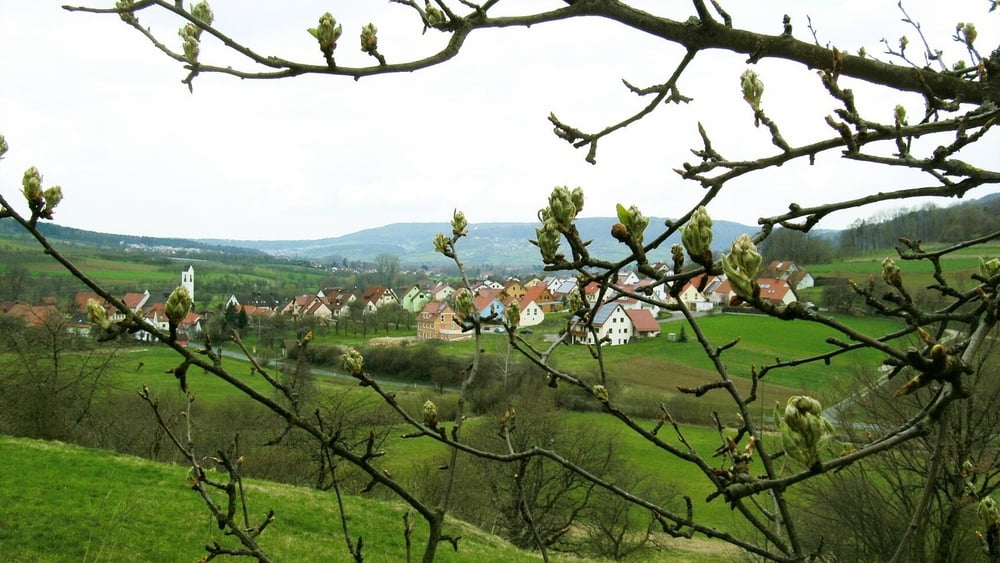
[955, 223]
[115, 242]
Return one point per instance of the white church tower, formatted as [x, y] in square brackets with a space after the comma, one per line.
[187, 280]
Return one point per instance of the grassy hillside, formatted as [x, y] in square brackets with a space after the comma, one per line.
[67, 503]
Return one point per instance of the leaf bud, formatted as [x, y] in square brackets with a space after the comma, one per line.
[369, 38]
[548, 239]
[600, 392]
[178, 305]
[459, 224]
[563, 207]
[354, 362]
[327, 33]
[97, 315]
[803, 429]
[989, 269]
[967, 33]
[465, 305]
[891, 273]
[697, 236]
[441, 244]
[189, 42]
[203, 13]
[634, 222]
[752, 88]
[52, 197]
[430, 414]
[434, 16]
[32, 184]
[513, 314]
[741, 266]
[900, 115]
[124, 8]
[3, 145]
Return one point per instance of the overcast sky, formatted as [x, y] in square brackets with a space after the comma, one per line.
[99, 111]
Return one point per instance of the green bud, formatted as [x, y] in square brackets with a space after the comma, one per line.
[354, 362]
[124, 8]
[988, 512]
[430, 414]
[989, 269]
[803, 429]
[891, 272]
[434, 16]
[741, 266]
[369, 38]
[697, 236]
[752, 88]
[441, 244]
[459, 224]
[547, 241]
[513, 314]
[465, 305]
[563, 206]
[3, 145]
[189, 42]
[203, 13]
[31, 184]
[634, 222]
[900, 115]
[327, 33]
[52, 197]
[178, 305]
[576, 198]
[903, 42]
[97, 315]
[600, 392]
[967, 33]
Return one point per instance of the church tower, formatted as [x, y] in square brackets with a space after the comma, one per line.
[187, 280]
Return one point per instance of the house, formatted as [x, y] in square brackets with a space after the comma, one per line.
[339, 301]
[540, 294]
[692, 294]
[488, 304]
[513, 289]
[531, 312]
[134, 301]
[436, 321]
[414, 298]
[441, 292]
[778, 292]
[796, 277]
[644, 325]
[377, 296]
[611, 322]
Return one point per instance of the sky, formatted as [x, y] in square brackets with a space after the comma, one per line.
[102, 113]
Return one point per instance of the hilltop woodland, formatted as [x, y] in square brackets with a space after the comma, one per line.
[912, 464]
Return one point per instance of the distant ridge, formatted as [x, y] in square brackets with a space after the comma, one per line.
[486, 243]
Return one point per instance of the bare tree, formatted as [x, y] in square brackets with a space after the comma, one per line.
[960, 109]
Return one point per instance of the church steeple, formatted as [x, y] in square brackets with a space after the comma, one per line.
[187, 280]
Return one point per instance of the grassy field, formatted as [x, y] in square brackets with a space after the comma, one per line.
[67, 503]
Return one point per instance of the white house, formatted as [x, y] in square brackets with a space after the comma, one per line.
[611, 323]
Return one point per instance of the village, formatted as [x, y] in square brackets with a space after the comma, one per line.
[626, 313]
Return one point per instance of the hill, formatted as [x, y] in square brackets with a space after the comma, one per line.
[487, 243]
